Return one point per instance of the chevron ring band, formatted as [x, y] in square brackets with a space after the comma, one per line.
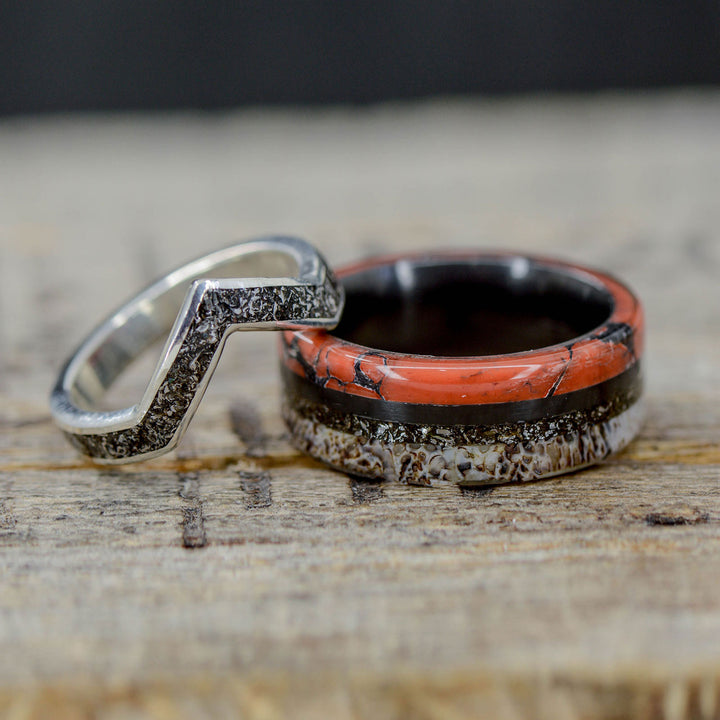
[265, 284]
[474, 368]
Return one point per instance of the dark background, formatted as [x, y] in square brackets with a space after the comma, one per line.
[116, 54]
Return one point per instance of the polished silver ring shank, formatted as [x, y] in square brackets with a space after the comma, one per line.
[264, 284]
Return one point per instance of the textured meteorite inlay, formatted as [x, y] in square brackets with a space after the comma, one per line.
[218, 311]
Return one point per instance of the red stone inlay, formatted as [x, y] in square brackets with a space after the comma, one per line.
[369, 372]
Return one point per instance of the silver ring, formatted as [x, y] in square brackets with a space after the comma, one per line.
[265, 284]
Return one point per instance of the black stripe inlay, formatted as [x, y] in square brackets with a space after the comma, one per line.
[626, 387]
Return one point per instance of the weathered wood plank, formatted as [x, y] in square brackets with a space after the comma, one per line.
[238, 577]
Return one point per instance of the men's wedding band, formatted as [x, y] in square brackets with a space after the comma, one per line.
[471, 368]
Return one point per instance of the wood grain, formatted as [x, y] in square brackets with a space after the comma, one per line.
[236, 578]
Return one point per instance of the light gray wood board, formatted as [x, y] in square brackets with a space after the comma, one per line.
[231, 577]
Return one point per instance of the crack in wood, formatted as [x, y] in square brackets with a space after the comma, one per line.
[477, 492]
[193, 524]
[677, 518]
[257, 489]
[8, 521]
[366, 491]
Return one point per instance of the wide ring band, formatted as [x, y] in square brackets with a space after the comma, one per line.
[397, 391]
[265, 284]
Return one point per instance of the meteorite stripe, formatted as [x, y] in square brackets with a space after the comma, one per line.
[625, 387]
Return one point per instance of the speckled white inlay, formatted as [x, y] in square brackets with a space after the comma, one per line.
[425, 464]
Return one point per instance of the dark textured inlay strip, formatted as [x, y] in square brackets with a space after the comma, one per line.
[456, 435]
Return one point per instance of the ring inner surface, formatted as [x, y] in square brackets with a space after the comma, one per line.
[469, 307]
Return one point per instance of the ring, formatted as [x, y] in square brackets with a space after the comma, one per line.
[474, 368]
[264, 284]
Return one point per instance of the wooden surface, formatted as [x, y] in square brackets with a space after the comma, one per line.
[237, 578]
